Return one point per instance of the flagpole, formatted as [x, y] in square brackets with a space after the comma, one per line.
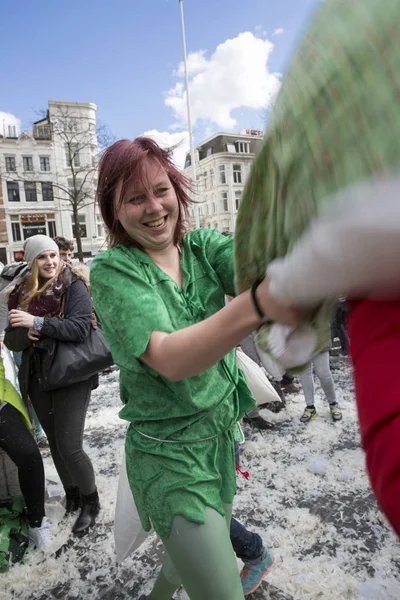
[192, 155]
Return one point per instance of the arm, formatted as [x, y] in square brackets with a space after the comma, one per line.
[78, 311]
[137, 323]
[355, 250]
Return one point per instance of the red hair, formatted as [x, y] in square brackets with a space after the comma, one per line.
[123, 162]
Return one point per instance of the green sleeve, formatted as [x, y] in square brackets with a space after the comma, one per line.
[129, 307]
[219, 251]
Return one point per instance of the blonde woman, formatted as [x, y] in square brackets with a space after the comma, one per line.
[34, 307]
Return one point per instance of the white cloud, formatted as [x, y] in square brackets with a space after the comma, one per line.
[178, 140]
[196, 62]
[258, 28]
[278, 31]
[236, 75]
[7, 119]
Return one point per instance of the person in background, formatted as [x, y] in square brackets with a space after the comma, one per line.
[17, 442]
[34, 307]
[339, 325]
[66, 248]
[322, 370]
[9, 276]
[288, 384]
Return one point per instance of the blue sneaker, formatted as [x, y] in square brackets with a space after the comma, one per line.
[253, 573]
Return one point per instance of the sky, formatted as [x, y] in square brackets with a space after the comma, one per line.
[126, 57]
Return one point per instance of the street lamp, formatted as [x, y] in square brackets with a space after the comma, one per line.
[192, 156]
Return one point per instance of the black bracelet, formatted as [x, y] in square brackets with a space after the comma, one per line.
[254, 298]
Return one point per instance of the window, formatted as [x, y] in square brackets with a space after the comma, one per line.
[47, 192]
[238, 197]
[51, 226]
[72, 155]
[212, 178]
[188, 161]
[82, 225]
[10, 163]
[100, 228]
[44, 163]
[224, 201]
[27, 162]
[222, 176]
[16, 230]
[242, 147]
[209, 151]
[237, 174]
[30, 191]
[230, 148]
[42, 132]
[13, 191]
[12, 131]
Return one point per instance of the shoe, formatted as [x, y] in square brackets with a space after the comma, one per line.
[41, 537]
[253, 573]
[336, 412]
[87, 517]
[308, 415]
[73, 499]
[290, 388]
[258, 422]
[43, 442]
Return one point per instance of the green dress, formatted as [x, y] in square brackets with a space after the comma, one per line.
[180, 471]
[336, 122]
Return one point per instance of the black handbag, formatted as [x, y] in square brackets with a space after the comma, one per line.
[65, 363]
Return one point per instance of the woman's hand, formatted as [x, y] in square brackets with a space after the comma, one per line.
[32, 335]
[20, 318]
[275, 310]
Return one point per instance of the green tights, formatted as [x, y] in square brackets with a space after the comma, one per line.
[201, 558]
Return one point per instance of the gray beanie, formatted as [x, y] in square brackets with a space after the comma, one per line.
[37, 244]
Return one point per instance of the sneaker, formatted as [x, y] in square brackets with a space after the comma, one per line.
[258, 422]
[290, 388]
[43, 442]
[253, 573]
[41, 537]
[336, 412]
[308, 415]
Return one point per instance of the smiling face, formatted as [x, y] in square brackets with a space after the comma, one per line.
[47, 263]
[149, 213]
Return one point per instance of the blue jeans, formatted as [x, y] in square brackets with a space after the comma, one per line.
[248, 546]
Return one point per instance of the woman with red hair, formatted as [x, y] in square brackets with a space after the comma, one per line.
[160, 294]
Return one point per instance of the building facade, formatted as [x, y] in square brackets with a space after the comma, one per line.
[223, 164]
[43, 170]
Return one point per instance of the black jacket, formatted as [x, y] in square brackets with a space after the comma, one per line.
[74, 327]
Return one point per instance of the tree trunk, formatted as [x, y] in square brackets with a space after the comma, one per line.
[77, 231]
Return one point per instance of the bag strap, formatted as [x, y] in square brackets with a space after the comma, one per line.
[94, 320]
[61, 314]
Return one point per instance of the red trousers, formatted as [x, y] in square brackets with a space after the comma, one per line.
[374, 330]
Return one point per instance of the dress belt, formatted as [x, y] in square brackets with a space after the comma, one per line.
[211, 437]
